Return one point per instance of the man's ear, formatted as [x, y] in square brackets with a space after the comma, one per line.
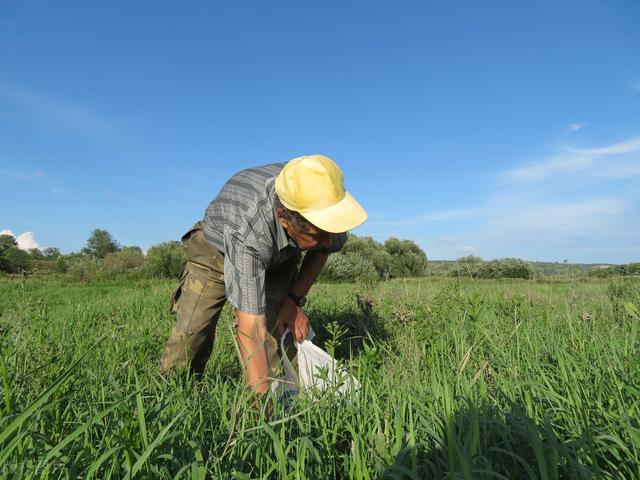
[282, 219]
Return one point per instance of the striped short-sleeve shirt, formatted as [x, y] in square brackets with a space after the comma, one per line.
[241, 223]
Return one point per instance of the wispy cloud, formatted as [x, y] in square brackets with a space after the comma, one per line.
[457, 245]
[575, 204]
[54, 113]
[429, 217]
[39, 178]
[60, 193]
[631, 145]
[116, 196]
[593, 161]
[559, 217]
[24, 176]
[576, 126]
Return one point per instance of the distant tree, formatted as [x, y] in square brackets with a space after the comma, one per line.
[466, 266]
[124, 260]
[407, 258]
[165, 259]
[100, 244]
[62, 265]
[506, 268]
[12, 259]
[370, 250]
[352, 266]
[51, 252]
[469, 259]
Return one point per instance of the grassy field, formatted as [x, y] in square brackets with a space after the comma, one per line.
[459, 379]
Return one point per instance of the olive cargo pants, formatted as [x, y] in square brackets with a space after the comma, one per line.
[198, 300]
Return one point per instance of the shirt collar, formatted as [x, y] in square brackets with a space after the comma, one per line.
[282, 240]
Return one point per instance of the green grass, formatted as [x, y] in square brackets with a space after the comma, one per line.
[459, 379]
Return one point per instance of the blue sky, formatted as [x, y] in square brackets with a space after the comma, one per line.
[493, 128]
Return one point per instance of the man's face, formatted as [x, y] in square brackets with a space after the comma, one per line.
[306, 240]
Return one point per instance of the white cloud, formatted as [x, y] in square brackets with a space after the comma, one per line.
[580, 217]
[469, 250]
[60, 193]
[615, 160]
[37, 177]
[24, 176]
[116, 196]
[429, 217]
[538, 171]
[631, 145]
[26, 241]
[576, 126]
[52, 112]
[449, 247]
[571, 205]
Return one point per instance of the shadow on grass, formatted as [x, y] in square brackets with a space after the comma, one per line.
[479, 442]
[358, 320]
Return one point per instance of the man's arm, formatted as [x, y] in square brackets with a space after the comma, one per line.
[252, 332]
[290, 314]
[309, 270]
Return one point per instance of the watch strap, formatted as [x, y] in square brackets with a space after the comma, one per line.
[299, 301]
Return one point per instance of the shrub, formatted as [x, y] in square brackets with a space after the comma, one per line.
[125, 260]
[371, 250]
[351, 266]
[83, 267]
[62, 266]
[12, 259]
[467, 266]
[505, 268]
[615, 270]
[407, 258]
[165, 260]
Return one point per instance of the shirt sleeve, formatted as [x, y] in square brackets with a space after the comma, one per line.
[244, 275]
[337, 242]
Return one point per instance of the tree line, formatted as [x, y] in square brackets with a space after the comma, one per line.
[101, 255]
[362, 259]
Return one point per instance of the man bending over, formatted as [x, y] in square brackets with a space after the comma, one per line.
[247, 250]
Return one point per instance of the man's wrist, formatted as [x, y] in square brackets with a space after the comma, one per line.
[300, 301]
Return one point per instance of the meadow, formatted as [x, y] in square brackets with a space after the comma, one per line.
[459, 378]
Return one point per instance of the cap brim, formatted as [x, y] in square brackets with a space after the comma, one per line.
[343, 216]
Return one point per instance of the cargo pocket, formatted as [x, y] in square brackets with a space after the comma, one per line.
[173, 301]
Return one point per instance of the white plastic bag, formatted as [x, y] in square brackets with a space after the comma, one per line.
[317, 370]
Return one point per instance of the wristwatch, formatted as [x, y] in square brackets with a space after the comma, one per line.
[299, 301]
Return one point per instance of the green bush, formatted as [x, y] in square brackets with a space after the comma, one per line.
[125, 260]
[616, 270]
[407, 258]
[364, 259]
[371, 250]
[506, 268]
[165, 260]
[12, 259]
[467, 266]
[352, 266]
[62, 265]
[83, 267]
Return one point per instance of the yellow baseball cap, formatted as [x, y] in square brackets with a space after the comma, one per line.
[314, 186]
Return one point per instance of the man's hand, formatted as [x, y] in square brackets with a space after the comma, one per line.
[292, 316]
